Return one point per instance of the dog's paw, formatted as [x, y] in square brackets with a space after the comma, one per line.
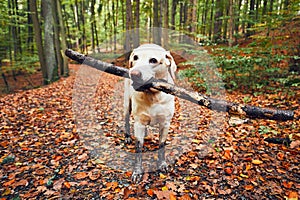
[163, 166]
[128, 140]
[137, 175]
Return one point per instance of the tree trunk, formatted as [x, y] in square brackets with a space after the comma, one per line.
[251, 19]
[93, 23]
[128, 26]
[57, 42]
[165, 37]
[51, 63]
[38, 38]
[30, 46]
[156, 24]
[218, 21]
[64, 69]
[173, 14]
[237, 22]
[136, 40]
[194, 97]
[211, 20]
[231, 23]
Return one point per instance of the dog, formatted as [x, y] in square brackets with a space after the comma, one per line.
[148, 106]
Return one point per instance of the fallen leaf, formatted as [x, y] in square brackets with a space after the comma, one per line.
[164, 188]
[295, 144]
[257, 162]
[8, 183]
[22, 182]
[248, 187]
[94, 174]
[185, 197]
[292, 195]
[80, 175]
[127, 192]
[287, 184]
[67, 185]
[58, 184]
[162, 176]
[172, 197]
[150, 192]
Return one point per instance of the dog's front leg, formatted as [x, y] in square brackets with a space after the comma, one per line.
[139, 133]
[163, 133]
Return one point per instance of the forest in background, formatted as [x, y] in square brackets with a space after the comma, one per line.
[35, 33]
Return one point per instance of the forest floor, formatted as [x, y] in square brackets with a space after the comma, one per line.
[66, 141]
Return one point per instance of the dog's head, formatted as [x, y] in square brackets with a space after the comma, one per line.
[150, 61]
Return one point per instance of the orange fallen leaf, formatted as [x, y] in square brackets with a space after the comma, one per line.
[67, 185]
[287, 184]
[248, 187]
[185, 197]
[257, 162]
[8, 183]
[227, 154]
[228, 170]
[172, 197]
[80, 175]
[94, 174]
[292, 196]
[150, 192]
[23, 182]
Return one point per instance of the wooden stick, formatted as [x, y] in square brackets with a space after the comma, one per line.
[202, 100]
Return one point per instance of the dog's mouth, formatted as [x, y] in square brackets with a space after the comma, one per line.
[142, 85]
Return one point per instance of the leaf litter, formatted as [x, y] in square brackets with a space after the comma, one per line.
[44, 156]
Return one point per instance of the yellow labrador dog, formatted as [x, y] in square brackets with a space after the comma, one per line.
[148, 107]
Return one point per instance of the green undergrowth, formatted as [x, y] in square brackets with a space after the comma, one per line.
[257, 68]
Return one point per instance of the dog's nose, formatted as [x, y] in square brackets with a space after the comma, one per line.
[135, 75]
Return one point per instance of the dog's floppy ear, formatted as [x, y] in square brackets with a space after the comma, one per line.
[130, 58]
[172, 65]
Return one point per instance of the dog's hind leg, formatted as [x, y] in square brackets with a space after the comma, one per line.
[163, 133]
[139, 133]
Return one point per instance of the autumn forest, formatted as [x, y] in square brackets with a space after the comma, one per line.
[62, 126]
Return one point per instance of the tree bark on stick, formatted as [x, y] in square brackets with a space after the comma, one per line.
[202, 100]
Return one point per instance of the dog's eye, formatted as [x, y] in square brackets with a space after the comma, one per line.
[153, 61]
[135, 57]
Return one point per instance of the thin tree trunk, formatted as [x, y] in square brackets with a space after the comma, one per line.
[136, 40]
[128, 25]
[231, 23]
[251, 19]
[211, 20]
[65, 67]
[38, 37]
[165, 38]
[57, 42]
[173, 14]
[218, 21]
[30, 47]
[156, 24]
[93, 22]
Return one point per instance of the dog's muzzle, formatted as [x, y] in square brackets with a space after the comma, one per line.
[138, 83]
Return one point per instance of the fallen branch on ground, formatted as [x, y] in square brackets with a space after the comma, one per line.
[202, 100]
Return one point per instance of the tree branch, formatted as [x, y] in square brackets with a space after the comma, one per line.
[202, 100]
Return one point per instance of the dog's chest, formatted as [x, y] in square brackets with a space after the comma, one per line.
[153, 108]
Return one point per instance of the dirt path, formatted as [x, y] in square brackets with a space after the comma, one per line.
[65, 141]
